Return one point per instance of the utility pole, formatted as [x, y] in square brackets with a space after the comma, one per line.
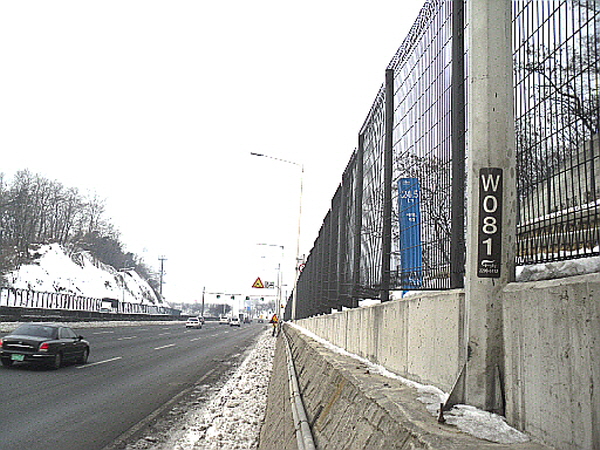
[162, 260]
[491, 199]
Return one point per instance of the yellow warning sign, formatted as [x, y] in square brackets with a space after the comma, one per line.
[258, 284]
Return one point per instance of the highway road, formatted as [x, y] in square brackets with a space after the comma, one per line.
[132, 373]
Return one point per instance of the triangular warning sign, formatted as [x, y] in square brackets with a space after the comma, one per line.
[258, 284]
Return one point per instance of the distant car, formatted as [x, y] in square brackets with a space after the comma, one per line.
[193, 322]
[46, 343]
[235, 322]
[224, 320]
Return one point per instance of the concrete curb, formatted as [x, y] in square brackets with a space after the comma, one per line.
[303, 432]
[277, 431]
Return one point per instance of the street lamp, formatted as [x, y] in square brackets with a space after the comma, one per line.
[297, 268]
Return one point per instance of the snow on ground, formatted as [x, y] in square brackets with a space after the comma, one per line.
[232, 418]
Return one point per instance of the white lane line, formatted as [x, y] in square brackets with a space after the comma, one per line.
[195, 339]
[103, 332]
[126, 338]
[99, 362]
[164, 346]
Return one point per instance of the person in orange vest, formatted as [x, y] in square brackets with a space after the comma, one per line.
[275, 321]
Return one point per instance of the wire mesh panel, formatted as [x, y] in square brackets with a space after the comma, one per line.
[372, 199]
[348, 234]
[556, 71]
[329, 278]
[423, 152]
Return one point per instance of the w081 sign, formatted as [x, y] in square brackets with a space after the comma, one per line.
[490, 223]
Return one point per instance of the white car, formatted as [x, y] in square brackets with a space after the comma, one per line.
[224, 320]
[235, 322]
[193, 322]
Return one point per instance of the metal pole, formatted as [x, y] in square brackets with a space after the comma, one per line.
[162, 259]
[386, 241]
[298, 262]
[457, 233]
[358, 199]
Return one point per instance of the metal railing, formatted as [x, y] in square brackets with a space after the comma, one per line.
[26, 298]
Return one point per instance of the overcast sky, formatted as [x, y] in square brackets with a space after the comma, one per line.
[155, 106]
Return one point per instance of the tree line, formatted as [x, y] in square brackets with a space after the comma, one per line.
[35, 210]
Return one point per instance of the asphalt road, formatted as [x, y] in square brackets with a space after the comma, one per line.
[132, 373]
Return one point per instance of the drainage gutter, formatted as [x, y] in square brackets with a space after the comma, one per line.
[304, 437]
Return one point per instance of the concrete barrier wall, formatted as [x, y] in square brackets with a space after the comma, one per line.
[551, 340]
[421, 338]
[552, 360]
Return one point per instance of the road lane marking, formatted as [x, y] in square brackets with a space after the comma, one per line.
[99, 362]
[164, 346]
[103, 332]
[126, 338]
[195, 339]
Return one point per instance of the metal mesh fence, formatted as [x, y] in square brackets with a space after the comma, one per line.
[331, 272]
[556, 67]
[357, 253]
[417, 120]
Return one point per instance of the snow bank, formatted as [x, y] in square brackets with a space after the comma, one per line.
[559, 269]
[52, 270]
[232, 418]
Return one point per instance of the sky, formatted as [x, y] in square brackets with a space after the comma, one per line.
[155, 107]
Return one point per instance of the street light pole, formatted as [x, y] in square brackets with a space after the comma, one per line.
[297, 268]
[162, 260]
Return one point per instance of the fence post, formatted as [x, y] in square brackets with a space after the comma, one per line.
[457, 233]
[386, 241]
[358, 200]
[491, 199]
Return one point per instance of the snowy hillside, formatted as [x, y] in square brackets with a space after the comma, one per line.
[52, 270]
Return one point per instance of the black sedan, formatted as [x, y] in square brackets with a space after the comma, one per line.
[51, 344]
